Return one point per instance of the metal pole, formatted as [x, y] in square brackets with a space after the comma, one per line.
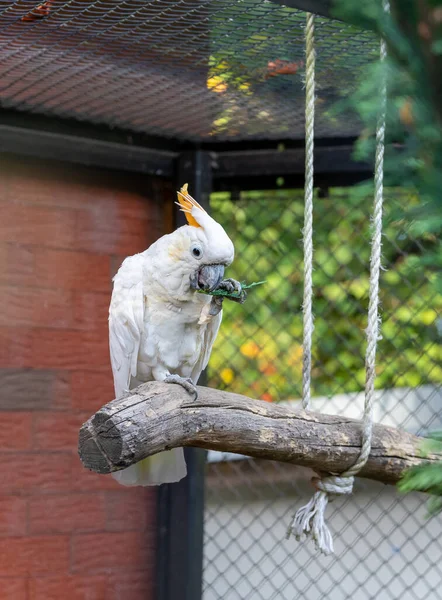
[181, 505]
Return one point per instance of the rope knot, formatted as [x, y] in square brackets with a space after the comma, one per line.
[335, 484]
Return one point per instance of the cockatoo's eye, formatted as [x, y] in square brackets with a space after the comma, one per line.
[196, 251]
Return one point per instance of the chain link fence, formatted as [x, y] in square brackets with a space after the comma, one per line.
[385, 547]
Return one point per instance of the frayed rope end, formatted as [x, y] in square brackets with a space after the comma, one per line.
[309, 521]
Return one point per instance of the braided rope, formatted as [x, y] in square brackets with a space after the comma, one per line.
[375, 267]
[310, 520]
[308, 209]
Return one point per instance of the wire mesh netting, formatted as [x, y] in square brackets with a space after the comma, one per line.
[190, 69]
[385, 546]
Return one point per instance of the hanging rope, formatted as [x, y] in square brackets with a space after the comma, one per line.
[310, 520]
[308, 208]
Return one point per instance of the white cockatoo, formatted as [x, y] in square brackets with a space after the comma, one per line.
[160, 327]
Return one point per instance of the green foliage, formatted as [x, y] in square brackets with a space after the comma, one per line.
[258, 351]
[233, 295]
[428, 477]
[414, 112]
[413, 33]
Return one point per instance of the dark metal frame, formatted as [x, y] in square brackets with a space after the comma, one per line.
[181, 505]
[232, 166]
[324, 8]
[73, 142]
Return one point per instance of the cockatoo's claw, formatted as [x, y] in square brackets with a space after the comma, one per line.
[186, 383]
[232, 286]
[216, 305]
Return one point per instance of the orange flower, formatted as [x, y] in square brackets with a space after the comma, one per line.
[406, 113]
[267, 397]
[250, 349]
[295, 356]
[268, 368]
[216, 84]
[227, 375]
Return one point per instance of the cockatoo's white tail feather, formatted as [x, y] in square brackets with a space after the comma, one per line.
[166, 467]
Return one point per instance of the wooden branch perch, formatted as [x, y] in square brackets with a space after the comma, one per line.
[158, 416]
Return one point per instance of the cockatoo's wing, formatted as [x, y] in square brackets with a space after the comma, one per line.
[126, 324]
[126, 317]
[209, 338]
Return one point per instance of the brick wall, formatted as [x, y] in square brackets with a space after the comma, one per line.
[65, 533]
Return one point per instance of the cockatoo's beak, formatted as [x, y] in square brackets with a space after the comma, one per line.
[207, 278]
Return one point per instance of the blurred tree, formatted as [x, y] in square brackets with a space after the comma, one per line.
[258, 351]
[427, 478]
[413, 32]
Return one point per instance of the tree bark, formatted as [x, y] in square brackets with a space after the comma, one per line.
[157, 416]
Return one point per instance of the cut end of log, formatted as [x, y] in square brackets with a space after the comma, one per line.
[91, 455]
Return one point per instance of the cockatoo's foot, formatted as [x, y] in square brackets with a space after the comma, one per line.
[232, 286]
[216, 305]
[187, 384]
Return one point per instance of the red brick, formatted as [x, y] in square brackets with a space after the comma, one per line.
[13, 516]
[13, 589]
[54, 348]
[116, 262]
[25, 182]
[129, 509]
[15, 431]
[96, 551]
[3, 259]
[91, 309]
[31, 306]
[66, 513]
[129, 204]
[106, 231]
[49, 268]
[73, 587]
[73, 270]
[18, 264]
[15, 347]
[70, 350]
[32, 389]
[61, 390]
[57, 278]
[37, 225]
[57, 431]
[131, 586]
[55, 187]
[39, 554]
[92, 389]
[60, 185]
[85, 480]
[28, 472]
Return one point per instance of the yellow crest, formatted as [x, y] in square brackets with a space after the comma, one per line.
[186, 203]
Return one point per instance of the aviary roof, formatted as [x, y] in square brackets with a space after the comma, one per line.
[194, 70]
